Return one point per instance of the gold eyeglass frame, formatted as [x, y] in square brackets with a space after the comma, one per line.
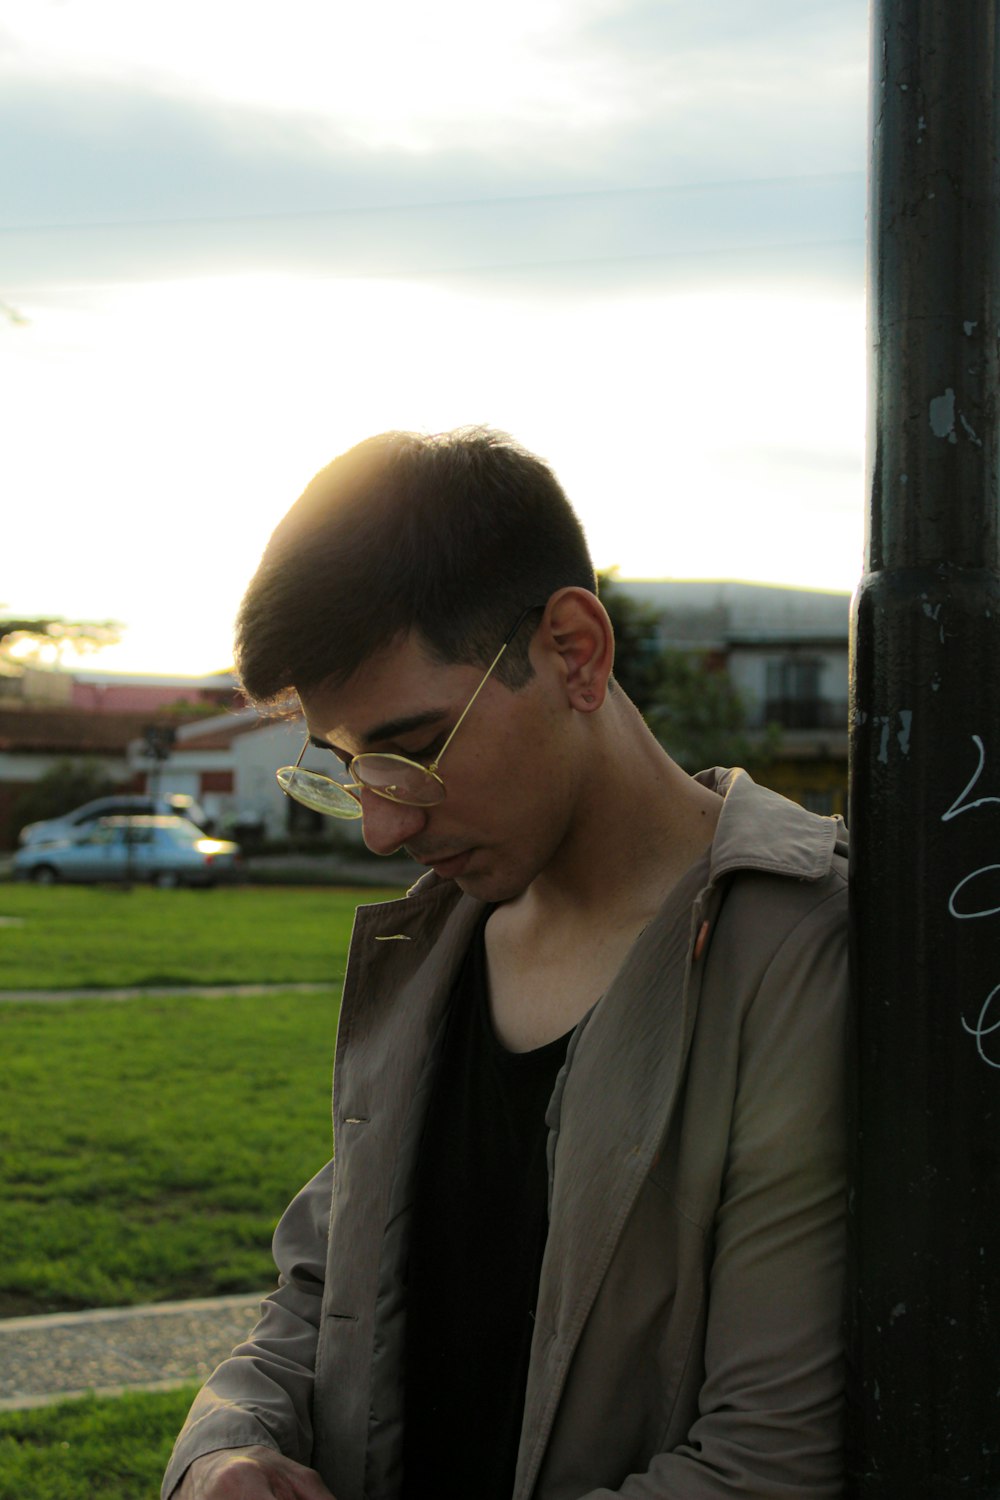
[296, 782]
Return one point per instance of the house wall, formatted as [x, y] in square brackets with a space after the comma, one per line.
[205, 775]
[256, 758]
[256, 794]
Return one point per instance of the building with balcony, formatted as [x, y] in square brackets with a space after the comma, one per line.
[787, 653]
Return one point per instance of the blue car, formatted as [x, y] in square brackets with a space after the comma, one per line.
[167, 851]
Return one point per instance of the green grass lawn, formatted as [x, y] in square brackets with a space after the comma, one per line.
[105, 936]
[148, 1147]
[110, 1449]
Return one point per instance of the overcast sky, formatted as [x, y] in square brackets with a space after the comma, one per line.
[235, 240]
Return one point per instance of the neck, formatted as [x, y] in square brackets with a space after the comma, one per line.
[640, 823]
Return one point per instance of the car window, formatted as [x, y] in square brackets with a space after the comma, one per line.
[99, 836]
[106, 810]
[178, 834]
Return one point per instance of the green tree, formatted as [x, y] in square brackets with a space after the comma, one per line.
[24, 639]
[638, 652]
[687, 699]
[65, 786]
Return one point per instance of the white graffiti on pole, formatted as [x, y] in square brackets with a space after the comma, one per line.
[984, 1026]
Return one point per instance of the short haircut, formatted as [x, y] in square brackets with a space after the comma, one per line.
[450, 536]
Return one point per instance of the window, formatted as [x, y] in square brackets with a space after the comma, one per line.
[794, 696]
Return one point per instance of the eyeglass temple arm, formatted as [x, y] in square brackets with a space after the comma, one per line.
[432, 767]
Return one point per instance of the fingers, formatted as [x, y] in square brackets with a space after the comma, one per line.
[255, 1473]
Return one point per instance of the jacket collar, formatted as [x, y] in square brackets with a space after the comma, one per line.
[760, 830]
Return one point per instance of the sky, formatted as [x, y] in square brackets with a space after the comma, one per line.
[235, 239]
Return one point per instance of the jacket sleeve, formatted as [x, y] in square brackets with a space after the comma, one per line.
[770, 1409]
[262, 1394]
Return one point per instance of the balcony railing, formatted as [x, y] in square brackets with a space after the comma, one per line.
[806, 713]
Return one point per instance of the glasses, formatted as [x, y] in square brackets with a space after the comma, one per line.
[395, 777]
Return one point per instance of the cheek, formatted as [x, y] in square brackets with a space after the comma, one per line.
[519, 769]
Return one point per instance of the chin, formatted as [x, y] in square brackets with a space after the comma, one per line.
[490, 886]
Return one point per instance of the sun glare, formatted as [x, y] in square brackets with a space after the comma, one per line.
[705, 420]
[192, 414]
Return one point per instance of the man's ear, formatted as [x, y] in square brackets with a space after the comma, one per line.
[576, 628]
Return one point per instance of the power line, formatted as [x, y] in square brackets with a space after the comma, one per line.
[588, 195]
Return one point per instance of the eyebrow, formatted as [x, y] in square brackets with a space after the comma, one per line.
[390, 729]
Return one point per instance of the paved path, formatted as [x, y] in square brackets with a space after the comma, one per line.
[62, 1355]
[164, 992]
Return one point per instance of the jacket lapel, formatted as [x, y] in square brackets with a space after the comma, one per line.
[608, 1117]
[404, 956]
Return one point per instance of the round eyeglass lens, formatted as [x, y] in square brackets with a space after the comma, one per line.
[398, 779]
[318, 792]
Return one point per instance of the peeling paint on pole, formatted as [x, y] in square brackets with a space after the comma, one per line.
[943, 416]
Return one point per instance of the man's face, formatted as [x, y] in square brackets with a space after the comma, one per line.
[508, 774]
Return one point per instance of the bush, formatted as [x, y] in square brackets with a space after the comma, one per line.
[65, 786]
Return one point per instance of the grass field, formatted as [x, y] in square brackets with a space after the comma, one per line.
[147, 1148]
[93, 1449]
[106, 936]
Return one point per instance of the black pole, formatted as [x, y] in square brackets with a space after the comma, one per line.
[924, 1289]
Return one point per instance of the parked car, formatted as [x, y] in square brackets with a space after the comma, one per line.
[165, 850]
[124, 805]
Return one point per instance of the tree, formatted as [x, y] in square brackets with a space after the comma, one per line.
[687, 699]
[13, 314]
[51, 630]
[638, 652]
[62, 789]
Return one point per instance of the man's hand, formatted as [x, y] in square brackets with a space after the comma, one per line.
[257, 1473]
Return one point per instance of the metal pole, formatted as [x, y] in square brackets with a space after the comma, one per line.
[924, 1291]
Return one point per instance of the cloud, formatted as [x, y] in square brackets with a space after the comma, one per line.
[645, 28]
[128, 183]
[726, 89]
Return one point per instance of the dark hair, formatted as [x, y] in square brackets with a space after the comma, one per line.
[450, 536]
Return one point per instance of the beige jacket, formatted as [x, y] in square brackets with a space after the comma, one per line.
[687, 1341]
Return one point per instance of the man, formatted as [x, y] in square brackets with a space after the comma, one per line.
[585, 1232]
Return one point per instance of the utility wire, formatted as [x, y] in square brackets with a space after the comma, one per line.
[675, 190]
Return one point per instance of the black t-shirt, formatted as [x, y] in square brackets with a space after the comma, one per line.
[480, 1220]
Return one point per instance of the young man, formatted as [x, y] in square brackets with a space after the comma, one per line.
[585, 1232]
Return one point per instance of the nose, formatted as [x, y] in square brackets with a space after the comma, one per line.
[387, 826]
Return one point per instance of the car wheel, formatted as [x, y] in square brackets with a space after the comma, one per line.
[166, 880]
[45, 874]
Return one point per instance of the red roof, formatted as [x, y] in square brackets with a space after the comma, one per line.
[70, 731]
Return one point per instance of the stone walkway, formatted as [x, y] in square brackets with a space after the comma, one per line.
[163, 992]
[62, 1355]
